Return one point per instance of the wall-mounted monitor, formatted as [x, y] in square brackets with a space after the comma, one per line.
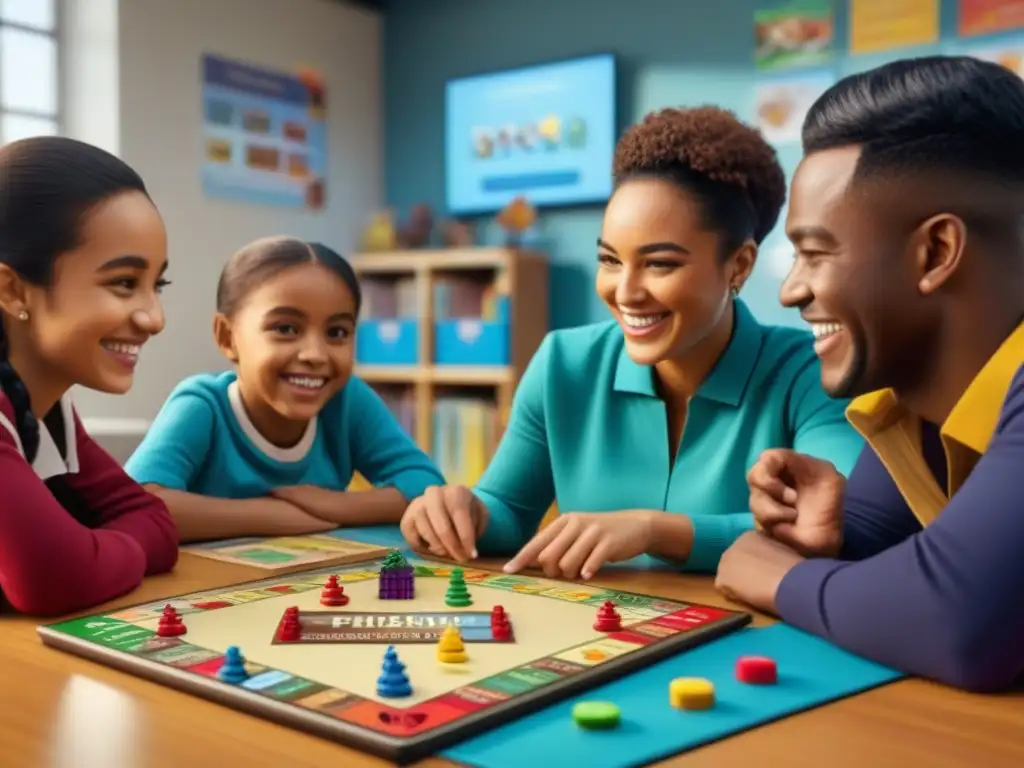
[545, 132]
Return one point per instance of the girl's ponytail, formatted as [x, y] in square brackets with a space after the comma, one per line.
[13, 387]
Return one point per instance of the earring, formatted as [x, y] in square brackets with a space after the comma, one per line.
[735, 292]
[23, 315]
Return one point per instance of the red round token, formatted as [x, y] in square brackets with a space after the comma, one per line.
[756, 670]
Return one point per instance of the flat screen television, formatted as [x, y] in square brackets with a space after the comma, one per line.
[546, 132]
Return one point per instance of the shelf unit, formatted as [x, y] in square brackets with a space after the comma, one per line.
[520, 275]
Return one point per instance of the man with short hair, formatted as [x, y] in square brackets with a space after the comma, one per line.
[907, 215]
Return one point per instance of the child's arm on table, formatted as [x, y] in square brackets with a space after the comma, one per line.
[383, 454]
[169, 458]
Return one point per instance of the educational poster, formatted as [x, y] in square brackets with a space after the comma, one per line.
[883, 25]
[794, 34]
[264, 135]
[1009, 53]
[782, 103]
[986, 17]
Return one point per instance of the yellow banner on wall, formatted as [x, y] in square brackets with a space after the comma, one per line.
[882, 25]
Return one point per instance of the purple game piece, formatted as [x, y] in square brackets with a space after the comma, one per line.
[397, 583]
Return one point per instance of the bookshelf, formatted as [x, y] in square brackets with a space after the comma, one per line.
[435, 287]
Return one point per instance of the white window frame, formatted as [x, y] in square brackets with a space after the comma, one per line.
[57, 116]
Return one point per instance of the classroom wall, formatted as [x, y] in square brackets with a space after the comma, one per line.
[672, 53]
[133, 71]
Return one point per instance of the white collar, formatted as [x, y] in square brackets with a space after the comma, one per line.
[48, 462]
[295, 453]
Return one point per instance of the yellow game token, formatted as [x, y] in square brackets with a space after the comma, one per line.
[691, 693]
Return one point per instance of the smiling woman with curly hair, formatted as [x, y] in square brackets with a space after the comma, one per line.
[643, 428]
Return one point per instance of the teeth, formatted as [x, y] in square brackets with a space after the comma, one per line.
[642, 321]
[823, 330]
[306, 382]
[123, 349]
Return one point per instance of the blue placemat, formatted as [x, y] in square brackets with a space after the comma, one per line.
[811, 673]
[382, 535]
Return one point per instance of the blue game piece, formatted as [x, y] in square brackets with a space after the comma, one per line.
[233, 669]
[393, 683]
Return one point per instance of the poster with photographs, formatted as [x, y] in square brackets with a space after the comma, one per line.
[264, 135]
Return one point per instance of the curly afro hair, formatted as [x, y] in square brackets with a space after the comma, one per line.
[707, 151]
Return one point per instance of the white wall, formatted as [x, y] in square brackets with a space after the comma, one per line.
[153, 77]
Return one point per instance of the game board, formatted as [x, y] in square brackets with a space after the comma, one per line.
[287, 554]
[330, 688]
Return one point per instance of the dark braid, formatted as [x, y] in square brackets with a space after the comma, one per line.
[47, 186]
[24, 420]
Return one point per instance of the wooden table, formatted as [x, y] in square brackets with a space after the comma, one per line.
[58, 711]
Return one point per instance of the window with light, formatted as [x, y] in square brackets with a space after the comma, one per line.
[29, 74]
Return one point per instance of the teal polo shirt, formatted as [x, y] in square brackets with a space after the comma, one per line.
[588, 429]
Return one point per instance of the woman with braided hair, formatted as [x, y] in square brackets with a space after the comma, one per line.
[643, 428]
[82, 256]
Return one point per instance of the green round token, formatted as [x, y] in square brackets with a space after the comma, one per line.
[596, 715]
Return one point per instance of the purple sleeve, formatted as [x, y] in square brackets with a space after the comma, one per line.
[946, 603]
[875, 514]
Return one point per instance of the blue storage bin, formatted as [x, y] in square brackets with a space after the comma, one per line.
[388, 341]
[471, 341]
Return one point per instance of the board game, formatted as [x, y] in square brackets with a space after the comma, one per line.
[287, 554]
[397, 658]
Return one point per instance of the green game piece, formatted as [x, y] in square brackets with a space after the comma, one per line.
[596, 715]
[395, 559]
[457, 595]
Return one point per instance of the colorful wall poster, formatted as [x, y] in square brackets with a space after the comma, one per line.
[782, 103]
[794, 34]
[1009, 53]
[986, 17]
[882, 25]
[264, 135]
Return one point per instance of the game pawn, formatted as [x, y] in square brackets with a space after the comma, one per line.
[393, 682]
[608, 619]
[396, 578]
[457, 595]
[501, 629]
[291, 628]
[170, 624]
[333, 594]
[233, 669]
[450, 648]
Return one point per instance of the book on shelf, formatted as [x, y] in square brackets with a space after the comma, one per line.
[454, 297]
[389, 298]
[466, 433]
[402, 404]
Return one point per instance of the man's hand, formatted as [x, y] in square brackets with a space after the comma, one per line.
[577, 544]
[445, 521]
[752, 569]
[798, 500]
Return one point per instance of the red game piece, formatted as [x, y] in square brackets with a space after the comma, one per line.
[608, 619]
[170, 624]
[501, 629]
[333, 594]
[291, 629]
[756, 670]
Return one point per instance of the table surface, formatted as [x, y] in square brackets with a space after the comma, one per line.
[59, 711]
